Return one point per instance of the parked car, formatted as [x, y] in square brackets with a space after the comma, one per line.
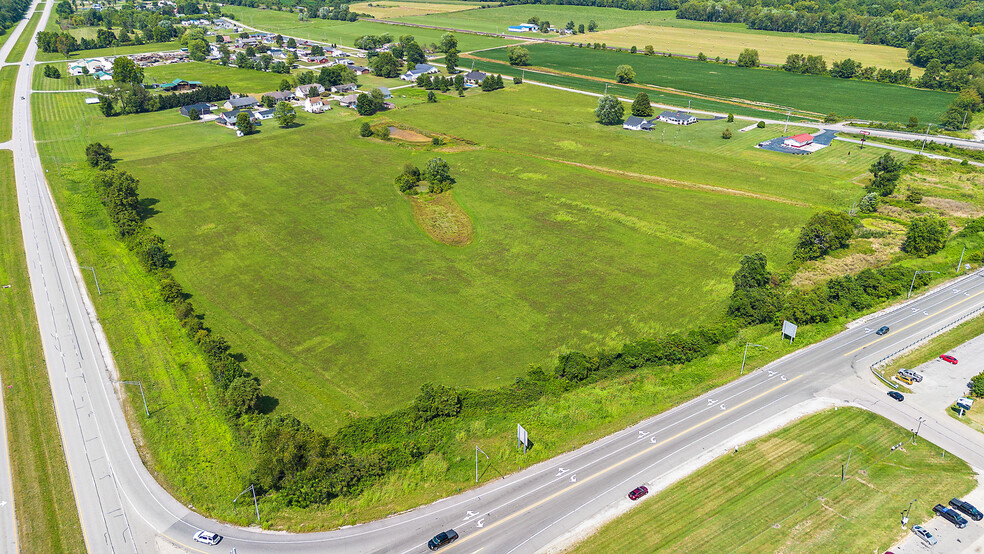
[638, 493]
[883, 330]
[924, 535]
[967, 508]
[905, 379]
[950, 515]
[206, 537]
[896, 395]
[442, 539]
[911, 375]
[948, 358]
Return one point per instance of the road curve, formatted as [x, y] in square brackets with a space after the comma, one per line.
[123, 509]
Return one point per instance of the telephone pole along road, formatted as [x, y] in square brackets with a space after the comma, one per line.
[123, 509]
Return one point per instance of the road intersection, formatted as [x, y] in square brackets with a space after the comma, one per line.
[123, 509]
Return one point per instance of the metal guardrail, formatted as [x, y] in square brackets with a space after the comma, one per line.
[918, 342]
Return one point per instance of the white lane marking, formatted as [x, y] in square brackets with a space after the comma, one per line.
[480, 523]
[468, 515]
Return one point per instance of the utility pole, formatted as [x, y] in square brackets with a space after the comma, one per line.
[747, 344]
[477, 450]
[788, 113]
[914, 281]
[140, 384]
[925, 139]
[844, 467]
[905, 514]
[961, 259]
[93, 270]
[255, 505]
[915, 433]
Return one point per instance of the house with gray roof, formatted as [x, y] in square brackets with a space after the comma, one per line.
[237, 103]
[634, 123]
[677, 118]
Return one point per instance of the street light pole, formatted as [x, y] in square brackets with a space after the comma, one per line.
[925, 139]
[915, 434]
[477, 450]
[144, 397]
[914, 281]
[255, 504]
[905, 517]
[93, 270]
[745, 355]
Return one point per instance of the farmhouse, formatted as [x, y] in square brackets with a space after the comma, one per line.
[237, 103]
[798, 141]
[341, 89]
[634, 123]
[524, 28]
[314, 89]
[263, 114]
[420, 69]
[315, 104]
[474, 77]
[360, 70]
[386, 92]
[677, 118]
[179, 85]
[202, 108]
[316, 58]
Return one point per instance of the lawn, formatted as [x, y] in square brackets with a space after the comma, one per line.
[8, 77]
[344, 33]
[729, 44]
[847, 98]
[47, 520]
[783, 493]
[17, 52]
[110, 51]
[238, 80]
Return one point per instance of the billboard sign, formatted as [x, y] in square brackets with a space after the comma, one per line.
[522, 437]
[789, 330]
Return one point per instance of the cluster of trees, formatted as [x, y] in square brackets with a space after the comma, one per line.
[492, 82]
[406, 49]
[386, 65]
[51, 72]
[437, 173]
[625, 74]
[118, 27]
[635, 5]
[845, 69]
[329, 76]
[823, 233]
[609, 110]
[518, 55]
[12, 11]
[368, 104]
[886, 171]
[967, 103]
[129, 98]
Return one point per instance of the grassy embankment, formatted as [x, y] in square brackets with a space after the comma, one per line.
[847, 98]
[522, 266]
[17, 52]
[8, 78]
[47, 520]
[784, 493]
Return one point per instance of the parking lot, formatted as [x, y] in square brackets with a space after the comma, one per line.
[950, 539]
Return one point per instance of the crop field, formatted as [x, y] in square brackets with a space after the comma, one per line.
[846, 98]
[784, 493]
[728, 45]
[498, 19]
[344, 33]
[389, 10]
[337, 353]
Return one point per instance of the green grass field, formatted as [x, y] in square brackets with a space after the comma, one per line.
[238, 80]
[110, 51]
[17, 52]
[344, 33]
[846, 98]
[47, 520]
[494, 20]
[8, 77]
[783, 493]
[65, 83]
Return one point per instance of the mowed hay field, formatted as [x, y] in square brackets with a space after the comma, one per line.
[846, 98]
[498, 19]
[389, 10]
[783, 493]
[310, 262]
[238, 80]
[728, 45]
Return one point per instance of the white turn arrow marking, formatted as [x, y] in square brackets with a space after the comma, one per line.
[3, 503]
[561, 471]
[573, 478]
[956, 291]
[653, 439]
[866, 330]
[643, 434]
[480, 523]
[711, 402]
[469, 514]
[722, 406]
[783, 377]
[914, 310]
[771, 373]
[925, 313]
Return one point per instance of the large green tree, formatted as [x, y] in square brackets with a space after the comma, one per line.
[244, 123]
[518, 55]
[625, 74]
[126, 71]
[385, 65]
[824, 232]
[285, 114]
[926, 235]
[609, 110]
[642, 106]
[749, 57]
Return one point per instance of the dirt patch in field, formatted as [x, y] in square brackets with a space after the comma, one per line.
[443, 219]
[952, 207]
[407, 135]
[873, 253]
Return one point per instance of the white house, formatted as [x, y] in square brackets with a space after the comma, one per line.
[634, 123]
[798, 141]
[420, 69]
[315, 104]
[474, 77]
[341, 89]
[677, 118]
[314, 89]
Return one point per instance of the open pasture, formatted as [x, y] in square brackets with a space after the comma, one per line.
[394, 9]
[846, 98]
[729, 44]
[783, 493]
[498, 19]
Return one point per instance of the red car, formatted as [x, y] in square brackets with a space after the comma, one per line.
[638, 493]
[948, 358]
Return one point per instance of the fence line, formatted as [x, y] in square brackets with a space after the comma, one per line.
[918, 342]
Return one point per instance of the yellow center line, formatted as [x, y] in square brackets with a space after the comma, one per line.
[617, 464]
[969, 298]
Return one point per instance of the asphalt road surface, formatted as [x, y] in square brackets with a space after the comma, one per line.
[122, 508]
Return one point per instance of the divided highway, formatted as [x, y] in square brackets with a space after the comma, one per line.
[123, 509]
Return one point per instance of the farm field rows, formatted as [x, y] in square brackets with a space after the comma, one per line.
[783, 493]
[498, 19]
[846, 98]
[344, 33]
